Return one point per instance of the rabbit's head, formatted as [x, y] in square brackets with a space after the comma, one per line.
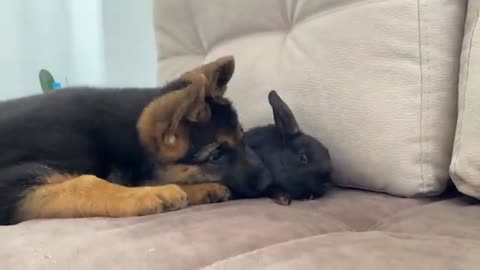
[300, 164]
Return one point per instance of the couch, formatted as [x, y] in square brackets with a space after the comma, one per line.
[387, 85]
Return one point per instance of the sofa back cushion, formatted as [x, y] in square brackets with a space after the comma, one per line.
[465, 166]
[375, 81]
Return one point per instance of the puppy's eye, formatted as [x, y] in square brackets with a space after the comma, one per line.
[217, 155]
[302, 157]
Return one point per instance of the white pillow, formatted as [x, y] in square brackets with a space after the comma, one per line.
[375, 81]
[465, 166]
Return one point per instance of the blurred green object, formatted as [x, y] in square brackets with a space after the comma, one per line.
[46, 80]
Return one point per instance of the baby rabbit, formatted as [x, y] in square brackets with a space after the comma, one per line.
[300, 165]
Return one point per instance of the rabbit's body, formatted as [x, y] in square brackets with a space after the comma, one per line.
[300, 164]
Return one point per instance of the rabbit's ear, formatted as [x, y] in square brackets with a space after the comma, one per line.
[283, 116]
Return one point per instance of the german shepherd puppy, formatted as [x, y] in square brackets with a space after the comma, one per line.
[173, 146]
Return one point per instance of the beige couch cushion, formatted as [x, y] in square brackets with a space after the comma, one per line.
[363, 251]
[335, 232]
[376, 81]
[465, 166]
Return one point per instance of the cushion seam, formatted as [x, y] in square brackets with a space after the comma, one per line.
[267, 246]
[330, 11]
[187, 50]
[197, 29]
[387, 220]
[420, 54]
[390, 234]
[340, 223]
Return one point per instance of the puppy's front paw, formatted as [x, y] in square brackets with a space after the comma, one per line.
[206, 193]
[172, 196]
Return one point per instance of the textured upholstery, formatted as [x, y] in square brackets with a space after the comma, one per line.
[465, 166]
[347, 229]
[376, 81]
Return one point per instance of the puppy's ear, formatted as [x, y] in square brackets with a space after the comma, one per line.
[218, 73]
[283, 116]
[163, 126]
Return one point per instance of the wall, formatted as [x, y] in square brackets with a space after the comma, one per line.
[82, 42]
[129, 43]
[28, 43]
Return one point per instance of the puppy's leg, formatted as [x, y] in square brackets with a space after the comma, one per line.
[205, 193]
[66, 196]
[201, 187]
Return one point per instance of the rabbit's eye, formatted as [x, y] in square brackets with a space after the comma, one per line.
[303, 158]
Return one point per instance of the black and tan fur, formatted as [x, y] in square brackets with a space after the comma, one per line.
[85, 152]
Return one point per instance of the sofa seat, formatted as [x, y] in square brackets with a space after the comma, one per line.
[343, 229]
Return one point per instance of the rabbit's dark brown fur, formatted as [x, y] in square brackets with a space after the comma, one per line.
[300, 164]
